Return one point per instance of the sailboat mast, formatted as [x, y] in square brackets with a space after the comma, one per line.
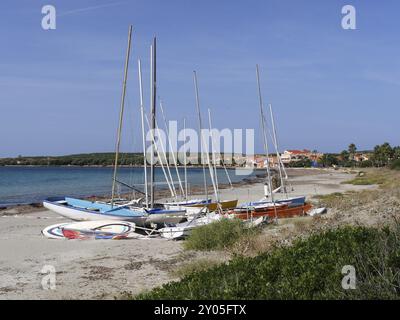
[200, 132]
[121, 116]
[143, 133]
[264, 134]
[277, 149]
[205, 146]
[153, 115]
[185, 160]
[212, 150]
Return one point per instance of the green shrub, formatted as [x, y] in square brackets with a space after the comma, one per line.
[395, 165]
[310, 269]
[217, 235]
[197, 265]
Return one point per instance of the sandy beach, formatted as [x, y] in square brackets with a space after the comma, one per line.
[101, 269]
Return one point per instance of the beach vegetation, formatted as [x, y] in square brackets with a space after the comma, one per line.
[218, 235]
[395, 165]
[194, 266]
[309, 269]
[368, 178]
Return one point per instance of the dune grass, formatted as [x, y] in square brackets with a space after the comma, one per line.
[218, 235]
[310, 269]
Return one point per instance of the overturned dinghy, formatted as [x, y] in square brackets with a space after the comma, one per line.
[105, 229]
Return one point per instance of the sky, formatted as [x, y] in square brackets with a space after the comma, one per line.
[60, 89]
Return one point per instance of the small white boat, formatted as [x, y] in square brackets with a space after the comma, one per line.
[182, 230]
[252, 223]
[54, 231]
[104, 229]
[317, 211]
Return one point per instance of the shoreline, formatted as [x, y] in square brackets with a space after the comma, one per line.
[160, 194]
[164, 194]
[104, 269]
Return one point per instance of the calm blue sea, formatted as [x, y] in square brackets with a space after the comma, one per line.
[24, 185]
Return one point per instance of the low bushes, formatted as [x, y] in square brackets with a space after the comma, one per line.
[395, 165]
[310, 269]
[217, 235]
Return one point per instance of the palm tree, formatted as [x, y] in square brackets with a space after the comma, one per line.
[352, 150]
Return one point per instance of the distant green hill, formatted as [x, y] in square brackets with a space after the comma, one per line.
[87, 159]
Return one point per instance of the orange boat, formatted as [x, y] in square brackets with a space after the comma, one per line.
[279, 211]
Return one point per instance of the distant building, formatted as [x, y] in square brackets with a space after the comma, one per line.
[289, 156]
[360, 157]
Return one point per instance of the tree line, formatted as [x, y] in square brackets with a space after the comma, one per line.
[381, 156]
[90, 159]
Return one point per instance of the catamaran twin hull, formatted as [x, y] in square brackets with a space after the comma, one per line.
[280, 212]
[82, 210]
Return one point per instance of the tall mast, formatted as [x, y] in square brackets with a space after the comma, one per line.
[264, 135]
[277, 149]
[153, 115]
[121, 116]
[212, 150]
[185, 159]
[143, 133]
[200, 132]
[205, 146]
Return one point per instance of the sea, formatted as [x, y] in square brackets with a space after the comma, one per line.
[27, 185]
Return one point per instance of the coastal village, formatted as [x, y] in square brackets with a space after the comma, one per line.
[289, 158]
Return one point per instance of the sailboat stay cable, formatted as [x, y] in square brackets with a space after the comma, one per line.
[212, 148]
[263, 124]
[164, 154]
[206, 149]
[200, 130]
[158, 154]
[212, 151]
[277, 149]
[121, 116]
[143, 133]
[172, 150]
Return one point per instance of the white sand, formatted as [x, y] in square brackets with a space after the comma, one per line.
[102, 268]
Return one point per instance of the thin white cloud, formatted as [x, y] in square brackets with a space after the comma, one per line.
[105, 5]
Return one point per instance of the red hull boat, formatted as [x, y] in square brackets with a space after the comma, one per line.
[279, 211]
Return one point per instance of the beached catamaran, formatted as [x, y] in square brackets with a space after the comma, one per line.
[269, 206]
[218, 204]
[80, 210]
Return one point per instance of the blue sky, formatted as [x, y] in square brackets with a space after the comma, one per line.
[60, 89]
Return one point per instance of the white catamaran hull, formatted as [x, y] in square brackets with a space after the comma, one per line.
[77, 214]
[165, 218]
